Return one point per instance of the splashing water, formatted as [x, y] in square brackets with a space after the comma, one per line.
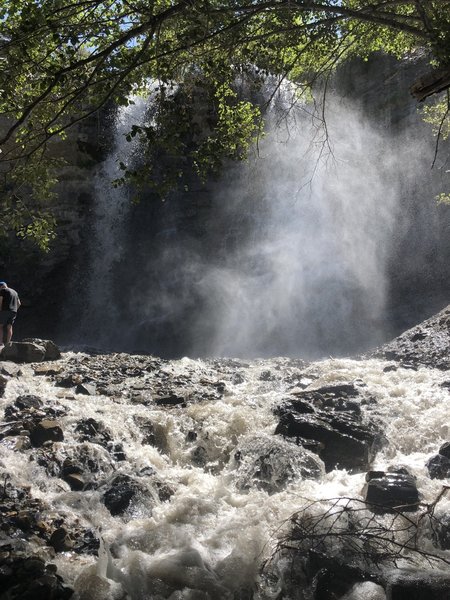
[225, 516]
[107, 240]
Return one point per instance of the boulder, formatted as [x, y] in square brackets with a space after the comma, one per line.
[328, 421]
[23, 352]
[52, 352]
[439, 465]
[271, 463]
[385, 492]
[47, 430]
[418, 585]
[120, 494]
[87, 389]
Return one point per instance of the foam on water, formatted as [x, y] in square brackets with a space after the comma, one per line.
[211, 538]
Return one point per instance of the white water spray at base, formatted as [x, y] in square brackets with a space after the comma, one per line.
[209, 540]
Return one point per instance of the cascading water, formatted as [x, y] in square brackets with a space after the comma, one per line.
[107, 239]
[287, 255]
[214, 487]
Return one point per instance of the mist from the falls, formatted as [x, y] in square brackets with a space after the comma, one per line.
[309, 278]
[289, 257]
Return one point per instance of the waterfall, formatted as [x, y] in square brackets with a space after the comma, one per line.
[286, 255]
[289, 254]
[108, 238]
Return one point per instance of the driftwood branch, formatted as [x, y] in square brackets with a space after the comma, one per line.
[431, 83]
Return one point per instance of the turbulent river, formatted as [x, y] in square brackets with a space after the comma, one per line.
[215, 486]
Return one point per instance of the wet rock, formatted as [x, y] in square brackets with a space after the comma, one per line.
[10, 370]
[87, 389]
[328, 420]
[46, 430]
[385, 491]
[75, 480]
[427, 344]
[30, 578]
[418, 585]
[441, 532]
[171, 399]
[23, 352]
[153, 434]
[120, 494]
[69, 380]
[52, 352]
[95, 432]
[28, 402]
[444, 450]
[270, 464]
[25, 413]
[47, 369]
[439, 465]
[73, 474]
[266, 376]
[3, 382]
[61, 540]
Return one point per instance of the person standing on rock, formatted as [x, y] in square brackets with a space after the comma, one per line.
[9, 305]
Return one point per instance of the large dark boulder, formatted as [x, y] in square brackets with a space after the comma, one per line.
[387, 491]
[328, 421]
[418, 585]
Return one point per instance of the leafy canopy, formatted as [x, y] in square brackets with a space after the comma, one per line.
[62, 61]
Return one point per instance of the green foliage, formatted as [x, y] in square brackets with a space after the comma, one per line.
[437, 115]
[443, 198]
[63, 60]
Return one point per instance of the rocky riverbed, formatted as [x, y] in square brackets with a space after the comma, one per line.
[132, 477]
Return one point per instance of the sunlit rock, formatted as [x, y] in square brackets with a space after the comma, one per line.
[23, 352]
[120, 493]
[426, 344]
[385, 492]
[52, 352]
[328, 421]
[270, 464]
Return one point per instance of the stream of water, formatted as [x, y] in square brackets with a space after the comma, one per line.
[210, 539]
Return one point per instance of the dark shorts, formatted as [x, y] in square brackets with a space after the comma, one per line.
[7, 317]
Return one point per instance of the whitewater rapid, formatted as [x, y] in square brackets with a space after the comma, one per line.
[210, 539]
